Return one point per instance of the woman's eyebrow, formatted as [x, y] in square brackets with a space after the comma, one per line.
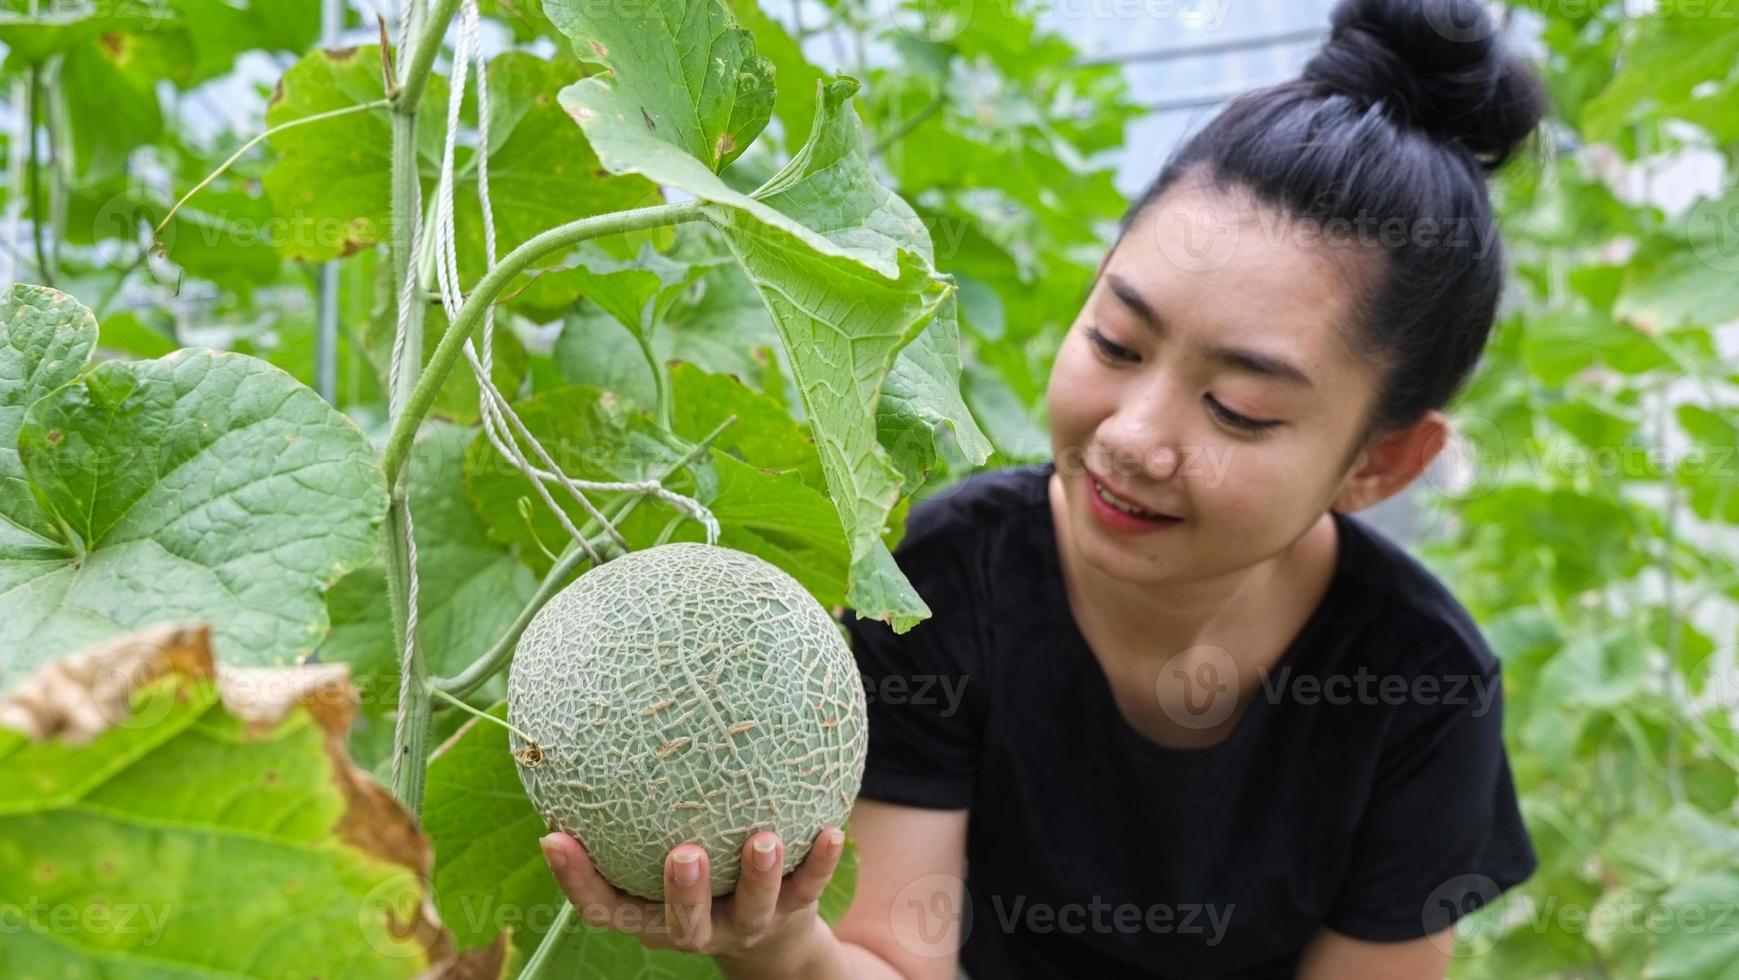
[1241, 358]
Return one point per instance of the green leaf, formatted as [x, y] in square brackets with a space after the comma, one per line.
[1700, 950]
[796, 76]
[726, 92]
[193, 838]
[840, 261]
[595, 349]
[780, 518]
[1684, 288]
[542, 172]
[111, 93]
[223, 29]
[763, 435]
[721, 326]
[922, 392]
[35, 37]
[1705, 467]
[46, 339]
[332, 180]
[203, 485]
[1563, 343]
[1674, 52]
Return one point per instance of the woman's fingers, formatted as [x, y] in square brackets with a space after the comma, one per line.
[688, 898]
[757, 895]
[597, 901]
[806, 884]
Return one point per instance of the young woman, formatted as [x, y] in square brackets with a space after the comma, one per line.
[1177, 714]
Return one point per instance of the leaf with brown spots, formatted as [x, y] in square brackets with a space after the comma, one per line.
[211, 814]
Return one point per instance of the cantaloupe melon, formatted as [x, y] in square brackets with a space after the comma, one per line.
[686, 693]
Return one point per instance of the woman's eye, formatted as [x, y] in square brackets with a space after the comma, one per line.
[1235, 420]
[1116, 352]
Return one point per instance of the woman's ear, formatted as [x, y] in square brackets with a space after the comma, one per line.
[1392, 461]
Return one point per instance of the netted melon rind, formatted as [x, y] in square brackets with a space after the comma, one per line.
[687, 693]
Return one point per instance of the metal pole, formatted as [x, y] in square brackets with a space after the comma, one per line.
[1199, 50]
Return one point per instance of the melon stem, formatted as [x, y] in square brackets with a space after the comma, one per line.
[455, 702]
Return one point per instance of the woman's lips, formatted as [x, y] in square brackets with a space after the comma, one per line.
[1121, 520]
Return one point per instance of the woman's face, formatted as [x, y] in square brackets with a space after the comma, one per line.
[1206, 378]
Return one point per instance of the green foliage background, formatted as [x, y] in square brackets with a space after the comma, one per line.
[1587, 520]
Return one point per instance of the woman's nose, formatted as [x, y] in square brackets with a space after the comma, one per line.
[1137, 447]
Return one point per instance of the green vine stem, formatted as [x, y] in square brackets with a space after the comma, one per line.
[473, 676]
[410, 748]
[426, 31]
[447, 354]
[660, 377]
[250, 144]
[540, 959]
[34, 90]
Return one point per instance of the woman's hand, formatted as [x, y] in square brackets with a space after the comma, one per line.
[770, 916]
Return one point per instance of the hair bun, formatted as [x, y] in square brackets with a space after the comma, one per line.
[1437, 65]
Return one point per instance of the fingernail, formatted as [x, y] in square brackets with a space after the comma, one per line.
[835, 837]
[764, 855]
[687, 867]
[553, 853]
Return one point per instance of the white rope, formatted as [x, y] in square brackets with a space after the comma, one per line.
[500, 421]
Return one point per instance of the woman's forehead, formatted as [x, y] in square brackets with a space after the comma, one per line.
[1244, 276]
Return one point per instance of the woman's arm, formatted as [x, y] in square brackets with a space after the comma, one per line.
[1336, 956]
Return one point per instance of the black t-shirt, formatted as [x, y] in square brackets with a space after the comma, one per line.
[1364, 788]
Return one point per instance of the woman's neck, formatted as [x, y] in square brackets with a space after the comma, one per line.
[1204, 610]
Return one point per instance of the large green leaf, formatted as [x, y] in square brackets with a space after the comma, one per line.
[45, 340]
[204, 825]
[767, 488]
[222, 29]
[921, 395]
[34, 35]
[796, 76]
[840, 261]
[492, 875]
[542, 172]
[763, 435]
[202, 485]
[111, 93]
[332, 182]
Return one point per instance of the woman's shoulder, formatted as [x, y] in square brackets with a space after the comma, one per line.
[1430, 627]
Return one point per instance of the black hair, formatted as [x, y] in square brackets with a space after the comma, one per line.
[1399, 119]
